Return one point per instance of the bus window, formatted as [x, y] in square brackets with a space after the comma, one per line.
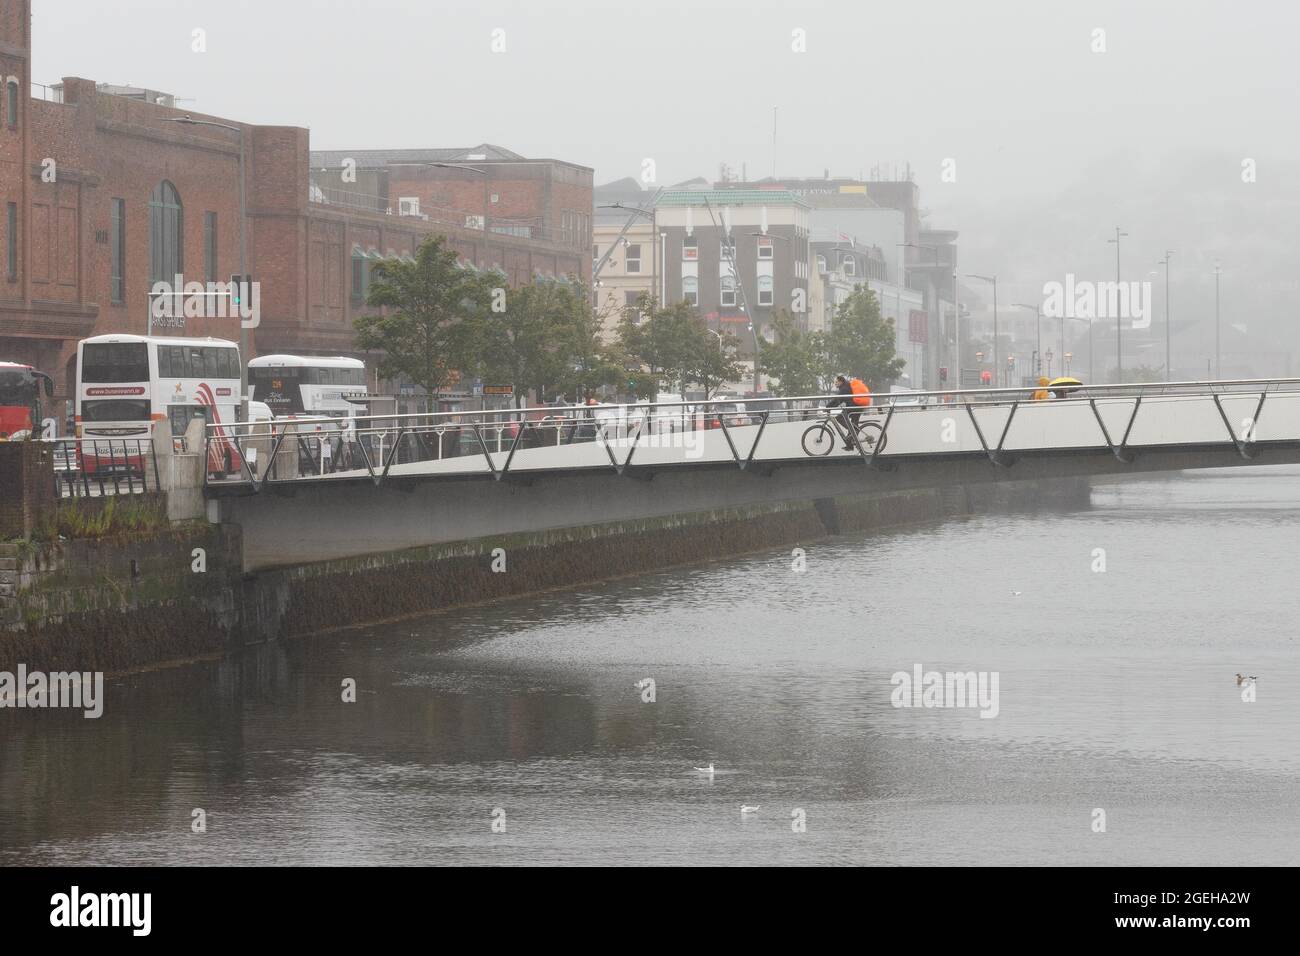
[115, 362]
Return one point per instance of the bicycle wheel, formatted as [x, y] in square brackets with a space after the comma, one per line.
[871, 437]
[818, 440]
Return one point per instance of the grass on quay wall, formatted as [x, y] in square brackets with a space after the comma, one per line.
[71, 520]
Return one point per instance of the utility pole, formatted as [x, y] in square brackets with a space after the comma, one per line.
[1119, 319]
[1169, 365]
[1218, 368]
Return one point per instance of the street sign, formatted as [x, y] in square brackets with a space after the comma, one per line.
[498, 389]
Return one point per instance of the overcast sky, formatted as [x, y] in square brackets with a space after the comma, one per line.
[1012, 92]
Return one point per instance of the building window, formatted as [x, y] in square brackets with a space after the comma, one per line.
[117, 253]
[630, 300]
[765, 248]
[690, 290]
[764, 290]
[166, 234]
[632, 260]
[850, 267]
[728, 291]
[728, 250]
[360, 276]
[210, 246]
[821, 264]
[690, 251]
[11, 104]
[595, 252]
[11, 235]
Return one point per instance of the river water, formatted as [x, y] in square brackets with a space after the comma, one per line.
[1115, 633]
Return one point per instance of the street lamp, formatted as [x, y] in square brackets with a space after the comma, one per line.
[243, 272]
[1038, 335]
[1169, 366]
[1049, 358]
[1068, 357]
[1119, 320]
[1218, 271]
[663, 243]
[994, 280]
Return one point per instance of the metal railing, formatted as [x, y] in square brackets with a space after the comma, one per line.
[88, 468]
[370, 446]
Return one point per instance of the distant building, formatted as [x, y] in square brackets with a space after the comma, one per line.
[135, 195]
[631, 269]
[886, 214]
[738, 256]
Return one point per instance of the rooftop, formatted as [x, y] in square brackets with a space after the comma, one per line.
[730, 197]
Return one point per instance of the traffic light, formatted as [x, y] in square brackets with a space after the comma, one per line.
[238, 286]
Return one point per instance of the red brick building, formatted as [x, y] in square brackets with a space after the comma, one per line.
[105, 193]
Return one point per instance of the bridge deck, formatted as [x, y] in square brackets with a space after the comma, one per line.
[1242, 417]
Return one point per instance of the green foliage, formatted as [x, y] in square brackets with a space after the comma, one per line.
[547, 339]
[861, 343]
[676, 349]
[797, 360]
[78, 518]
[426, 331]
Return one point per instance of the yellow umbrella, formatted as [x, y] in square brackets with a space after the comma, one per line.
[1062, 386]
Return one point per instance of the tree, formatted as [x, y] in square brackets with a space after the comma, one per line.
[428, 325]
[676, 347]
[798, 360]
[861, 343]
[547, 340]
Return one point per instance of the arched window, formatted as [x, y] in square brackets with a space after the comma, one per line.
[691, 290]
[728, 291]
[166, 233]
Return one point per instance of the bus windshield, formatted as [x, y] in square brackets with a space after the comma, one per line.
[115, 362]
[19, 401]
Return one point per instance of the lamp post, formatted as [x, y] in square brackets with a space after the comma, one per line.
[1169, 362]
[243, 272]
[994, 281]
[1218, 370]
[663, 243]
[1119, 320]
[1049, 358]
[1038, 335]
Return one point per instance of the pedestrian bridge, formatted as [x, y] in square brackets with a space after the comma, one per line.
[469, 474]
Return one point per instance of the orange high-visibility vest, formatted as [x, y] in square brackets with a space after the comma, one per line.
[861, 394]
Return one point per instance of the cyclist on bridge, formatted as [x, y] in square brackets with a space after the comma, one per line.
[856, 395]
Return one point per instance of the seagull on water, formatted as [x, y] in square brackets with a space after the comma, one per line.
[745, 809]
[707, 771]
[1241, 679]
[1015, 593]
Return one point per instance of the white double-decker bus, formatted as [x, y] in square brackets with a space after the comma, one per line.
[129, 384]
[308, 385]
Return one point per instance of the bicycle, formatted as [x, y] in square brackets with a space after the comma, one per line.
[819, 439]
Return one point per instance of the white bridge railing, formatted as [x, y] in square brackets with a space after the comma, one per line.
[999, 423]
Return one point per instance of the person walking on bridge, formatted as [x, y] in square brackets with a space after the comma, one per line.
[855, 395]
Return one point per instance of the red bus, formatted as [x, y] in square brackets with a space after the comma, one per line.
[20, 400]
